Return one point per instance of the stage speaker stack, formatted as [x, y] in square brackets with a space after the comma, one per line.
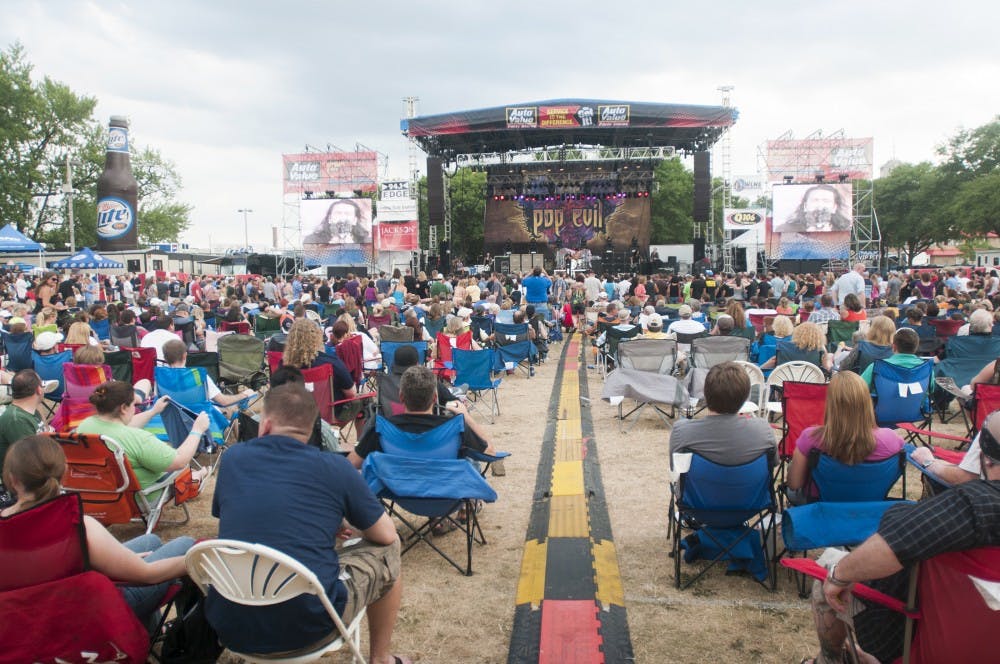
[501, 264]
[702, 188]
[699, 249]
[435, 191]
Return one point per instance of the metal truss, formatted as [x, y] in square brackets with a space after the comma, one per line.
[564, 153]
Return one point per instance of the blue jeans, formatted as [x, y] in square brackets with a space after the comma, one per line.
[145, 600]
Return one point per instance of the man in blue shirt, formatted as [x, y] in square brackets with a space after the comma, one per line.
[536, 287]
[278, 491]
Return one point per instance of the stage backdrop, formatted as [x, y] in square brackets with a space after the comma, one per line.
[336, 231]
[811, 221]
[575, 223]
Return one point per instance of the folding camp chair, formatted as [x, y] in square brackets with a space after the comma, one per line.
[242, 573]
[434, 326]
[839, 331]
[443, 347]
[902, 397]
[18, 349]
[848, 505]
[188, 387]
[964, 357]
[802, 372]
[803, 404]
[319, 381]
[50, 367]
[945, 328]
[756, 404]
[481, 327]
[124, 335]
[706, 352]
[101, 328]
[80, 380]
[97, 469]
[423, 474]
[208, 361]
[474, 368]
[265, 326]
[143, 363]
[54, 607]
[351, 353]
[654, 361]
[514, 349]
[239, 327]
[274, 360]
[395, 333]
[613, 336]
[948, 618]
[241, 362]
[388, 352]
[730, 510]
[120, 362]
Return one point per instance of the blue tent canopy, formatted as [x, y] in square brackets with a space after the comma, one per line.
[84, 259]
[12, 240]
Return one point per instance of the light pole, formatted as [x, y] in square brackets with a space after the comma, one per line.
[67, 190]
[246, 242]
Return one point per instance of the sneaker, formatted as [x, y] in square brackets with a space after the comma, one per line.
[50, 386]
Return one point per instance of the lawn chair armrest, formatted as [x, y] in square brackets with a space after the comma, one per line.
[359, 397]
[163, 483]
[476, 455]
[810, 567]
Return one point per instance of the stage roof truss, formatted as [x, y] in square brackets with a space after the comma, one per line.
[565, 153]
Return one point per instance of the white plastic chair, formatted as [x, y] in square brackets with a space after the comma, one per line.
[257, 575]
[803, 372]
[755, 404]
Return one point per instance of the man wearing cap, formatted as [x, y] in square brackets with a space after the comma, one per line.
[21, 417]
[388, 383]
[46, 342]
[654, 327]
[962, 518]
[685, 325]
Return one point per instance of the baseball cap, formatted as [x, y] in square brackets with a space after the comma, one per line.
[654, 322]
[684, 311]
[47, 340]
[602, 296]
[464, 312]
[155, 302]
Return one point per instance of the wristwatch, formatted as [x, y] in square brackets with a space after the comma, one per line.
[928, 464]
[832, 578]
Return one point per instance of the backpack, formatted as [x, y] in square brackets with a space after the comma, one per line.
[189, 637]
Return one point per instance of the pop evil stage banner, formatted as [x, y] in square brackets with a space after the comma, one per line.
[574, 223]
[336, 231]
[811, 221]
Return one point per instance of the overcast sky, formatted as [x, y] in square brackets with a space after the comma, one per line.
[224, 88]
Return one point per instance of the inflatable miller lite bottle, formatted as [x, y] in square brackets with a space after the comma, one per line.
[117, 190]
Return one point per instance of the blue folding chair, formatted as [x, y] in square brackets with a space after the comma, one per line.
[102, 328]
[18, 349]
[188, 387]
[725, 506]
[514, 348]
[388, 351]
[423, 474]
[482, 327]
[50, 367]
[902, 397]
[852, 500]
[475, 369]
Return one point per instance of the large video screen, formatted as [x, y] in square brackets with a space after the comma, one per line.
[811, 221]
[336, 231]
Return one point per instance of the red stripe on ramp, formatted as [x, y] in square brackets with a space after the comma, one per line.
[570, 633]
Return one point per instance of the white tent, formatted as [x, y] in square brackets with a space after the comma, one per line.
[753, 241]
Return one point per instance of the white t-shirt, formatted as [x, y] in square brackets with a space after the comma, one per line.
[156, 339]
[852, 282]
[970, 462]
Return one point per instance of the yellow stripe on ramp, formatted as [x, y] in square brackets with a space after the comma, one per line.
[567, 478]
[609, 580]
[531, 584]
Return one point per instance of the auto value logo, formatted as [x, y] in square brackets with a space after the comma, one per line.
[613, 115]
[522, 116]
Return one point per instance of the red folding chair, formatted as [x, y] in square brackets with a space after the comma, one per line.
[945, 327]
[947, 619]
[80, 380]
[319, 381]
[274, 359]
[143, 364]
[443, 346]
[239, 327]
[803, 406]
[54, 608]
[351, 353]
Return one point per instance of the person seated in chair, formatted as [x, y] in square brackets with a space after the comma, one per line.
[33, 471]
[418, 390]
[723, 436]
[965, 517]
[904, 348]
[388, 384]
[175, 355]
[312, 500]
[162, 332]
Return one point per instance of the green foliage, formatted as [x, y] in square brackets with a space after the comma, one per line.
[672, 204]
[467, 191]
[912, 208]
[43, 123]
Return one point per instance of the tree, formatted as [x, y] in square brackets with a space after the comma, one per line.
[976, 205]
[467, 192]
[972, 153]
[911, 204]
[45, 122]
[672, 204]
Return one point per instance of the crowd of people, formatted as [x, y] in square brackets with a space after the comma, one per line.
[783, 314]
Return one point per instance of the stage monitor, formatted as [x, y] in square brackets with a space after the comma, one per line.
[811, 221]
[337, 231]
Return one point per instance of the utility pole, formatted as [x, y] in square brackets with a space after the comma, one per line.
[68, 192]
[246, 241]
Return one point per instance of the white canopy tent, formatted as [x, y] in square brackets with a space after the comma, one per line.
[753, 241]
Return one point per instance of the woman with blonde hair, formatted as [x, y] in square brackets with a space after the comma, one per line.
[79, 333]
[877, 345]
[45, 321]
[849, 434]
[807, 344]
